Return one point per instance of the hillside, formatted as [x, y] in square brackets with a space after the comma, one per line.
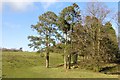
[32, 65]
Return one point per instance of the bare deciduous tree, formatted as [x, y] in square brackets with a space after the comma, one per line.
[98, 10]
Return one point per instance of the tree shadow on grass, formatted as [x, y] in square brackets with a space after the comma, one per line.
[114, 70]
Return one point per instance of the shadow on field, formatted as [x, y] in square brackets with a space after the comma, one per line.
[60, 65]
[114, 70]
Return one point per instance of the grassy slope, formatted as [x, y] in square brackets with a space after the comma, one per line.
[31, 65]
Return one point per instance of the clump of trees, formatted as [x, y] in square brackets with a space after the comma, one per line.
[90, 37]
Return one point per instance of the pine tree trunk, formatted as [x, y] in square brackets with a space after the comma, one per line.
[69, 61]
[47, 60]
[65, 62]
[47, 51]
[65, 57]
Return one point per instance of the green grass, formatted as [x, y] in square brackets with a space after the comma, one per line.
[31, 65]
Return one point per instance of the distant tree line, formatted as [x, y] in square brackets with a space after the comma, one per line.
[11, 50]
[89, 37]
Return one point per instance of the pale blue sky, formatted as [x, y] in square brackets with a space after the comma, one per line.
[17, 19]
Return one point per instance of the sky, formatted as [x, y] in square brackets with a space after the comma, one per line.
[17, 18]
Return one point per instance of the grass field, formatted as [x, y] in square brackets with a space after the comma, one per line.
[31, 65]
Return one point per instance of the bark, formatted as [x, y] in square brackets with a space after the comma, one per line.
[65, 62]
[47, 60]
[93, 52]
[75, 58]
[65, 57]
[47, 51]
[69, 61]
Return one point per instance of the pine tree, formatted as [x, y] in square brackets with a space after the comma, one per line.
[69, 16]
[46, 30]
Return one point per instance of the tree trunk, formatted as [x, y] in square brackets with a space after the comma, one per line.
[65, 62]
[69, 61]
[47, 51]
[65, 57]
[47, 60]
[75, 58]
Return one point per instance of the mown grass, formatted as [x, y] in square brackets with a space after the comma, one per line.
[31, 65]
